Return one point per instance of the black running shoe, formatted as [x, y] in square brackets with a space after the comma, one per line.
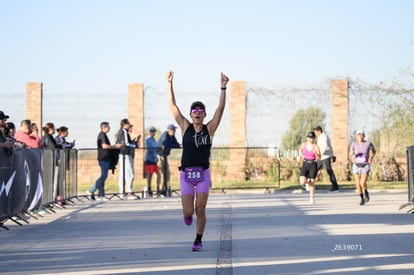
[366, 196]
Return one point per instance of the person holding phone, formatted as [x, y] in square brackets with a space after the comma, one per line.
[28, 134]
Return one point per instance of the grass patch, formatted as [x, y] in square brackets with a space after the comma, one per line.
[288, 185]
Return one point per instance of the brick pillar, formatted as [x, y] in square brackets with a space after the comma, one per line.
[136, 117]
[340, 108]
[34, 107]
[237, 130]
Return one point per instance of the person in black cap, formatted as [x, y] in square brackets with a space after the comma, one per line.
[166, 142]
[3, 117]
[195, 178]
[311, 153]
[4, 142]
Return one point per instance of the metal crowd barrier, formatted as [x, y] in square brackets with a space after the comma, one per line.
[31, 179]
[410, 169]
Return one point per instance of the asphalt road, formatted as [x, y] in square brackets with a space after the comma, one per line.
[246, 233]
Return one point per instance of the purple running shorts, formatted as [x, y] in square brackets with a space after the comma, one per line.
[190, 188]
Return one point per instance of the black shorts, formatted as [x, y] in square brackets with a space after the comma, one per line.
[309, 169]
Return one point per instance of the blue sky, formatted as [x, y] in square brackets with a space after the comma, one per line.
[95, 47]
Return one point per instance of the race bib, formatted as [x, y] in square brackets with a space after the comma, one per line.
[194, 174]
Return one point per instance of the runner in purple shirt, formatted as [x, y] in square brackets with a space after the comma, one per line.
[360, 153]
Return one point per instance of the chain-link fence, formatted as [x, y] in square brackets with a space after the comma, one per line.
[269, 112]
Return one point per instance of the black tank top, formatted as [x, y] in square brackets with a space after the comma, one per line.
[196, 148]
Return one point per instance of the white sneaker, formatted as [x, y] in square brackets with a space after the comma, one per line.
[312, 201]
[102, 199]
[307, 187]
[131, 197]
[41, 211]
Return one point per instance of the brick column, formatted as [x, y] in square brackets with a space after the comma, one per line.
[340, 108]
[136, 117]
[34, 107]
[237, 130]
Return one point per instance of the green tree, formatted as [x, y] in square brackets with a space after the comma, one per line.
[394, 106]
[397, 130]
[300, 124]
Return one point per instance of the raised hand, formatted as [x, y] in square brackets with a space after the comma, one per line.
[224, 80]
[170, 76]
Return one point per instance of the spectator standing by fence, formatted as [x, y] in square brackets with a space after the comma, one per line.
[6, 144]
[107, 156]
[362, 152]
[10, 131]
[126, 157]
[167, 141]
[60, 138]
[151, 161]
[28, 134]
[48, 142]
[325, 146]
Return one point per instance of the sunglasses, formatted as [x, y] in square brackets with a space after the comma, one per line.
[197, 111]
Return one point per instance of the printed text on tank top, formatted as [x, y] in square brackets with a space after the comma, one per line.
[200, 139]
[196, 148]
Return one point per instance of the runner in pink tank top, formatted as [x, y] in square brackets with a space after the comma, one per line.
[311, 152]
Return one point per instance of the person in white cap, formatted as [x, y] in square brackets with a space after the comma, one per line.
[362, 152]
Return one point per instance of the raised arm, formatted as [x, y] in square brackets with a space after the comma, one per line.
[213, 124]
[182, 122]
